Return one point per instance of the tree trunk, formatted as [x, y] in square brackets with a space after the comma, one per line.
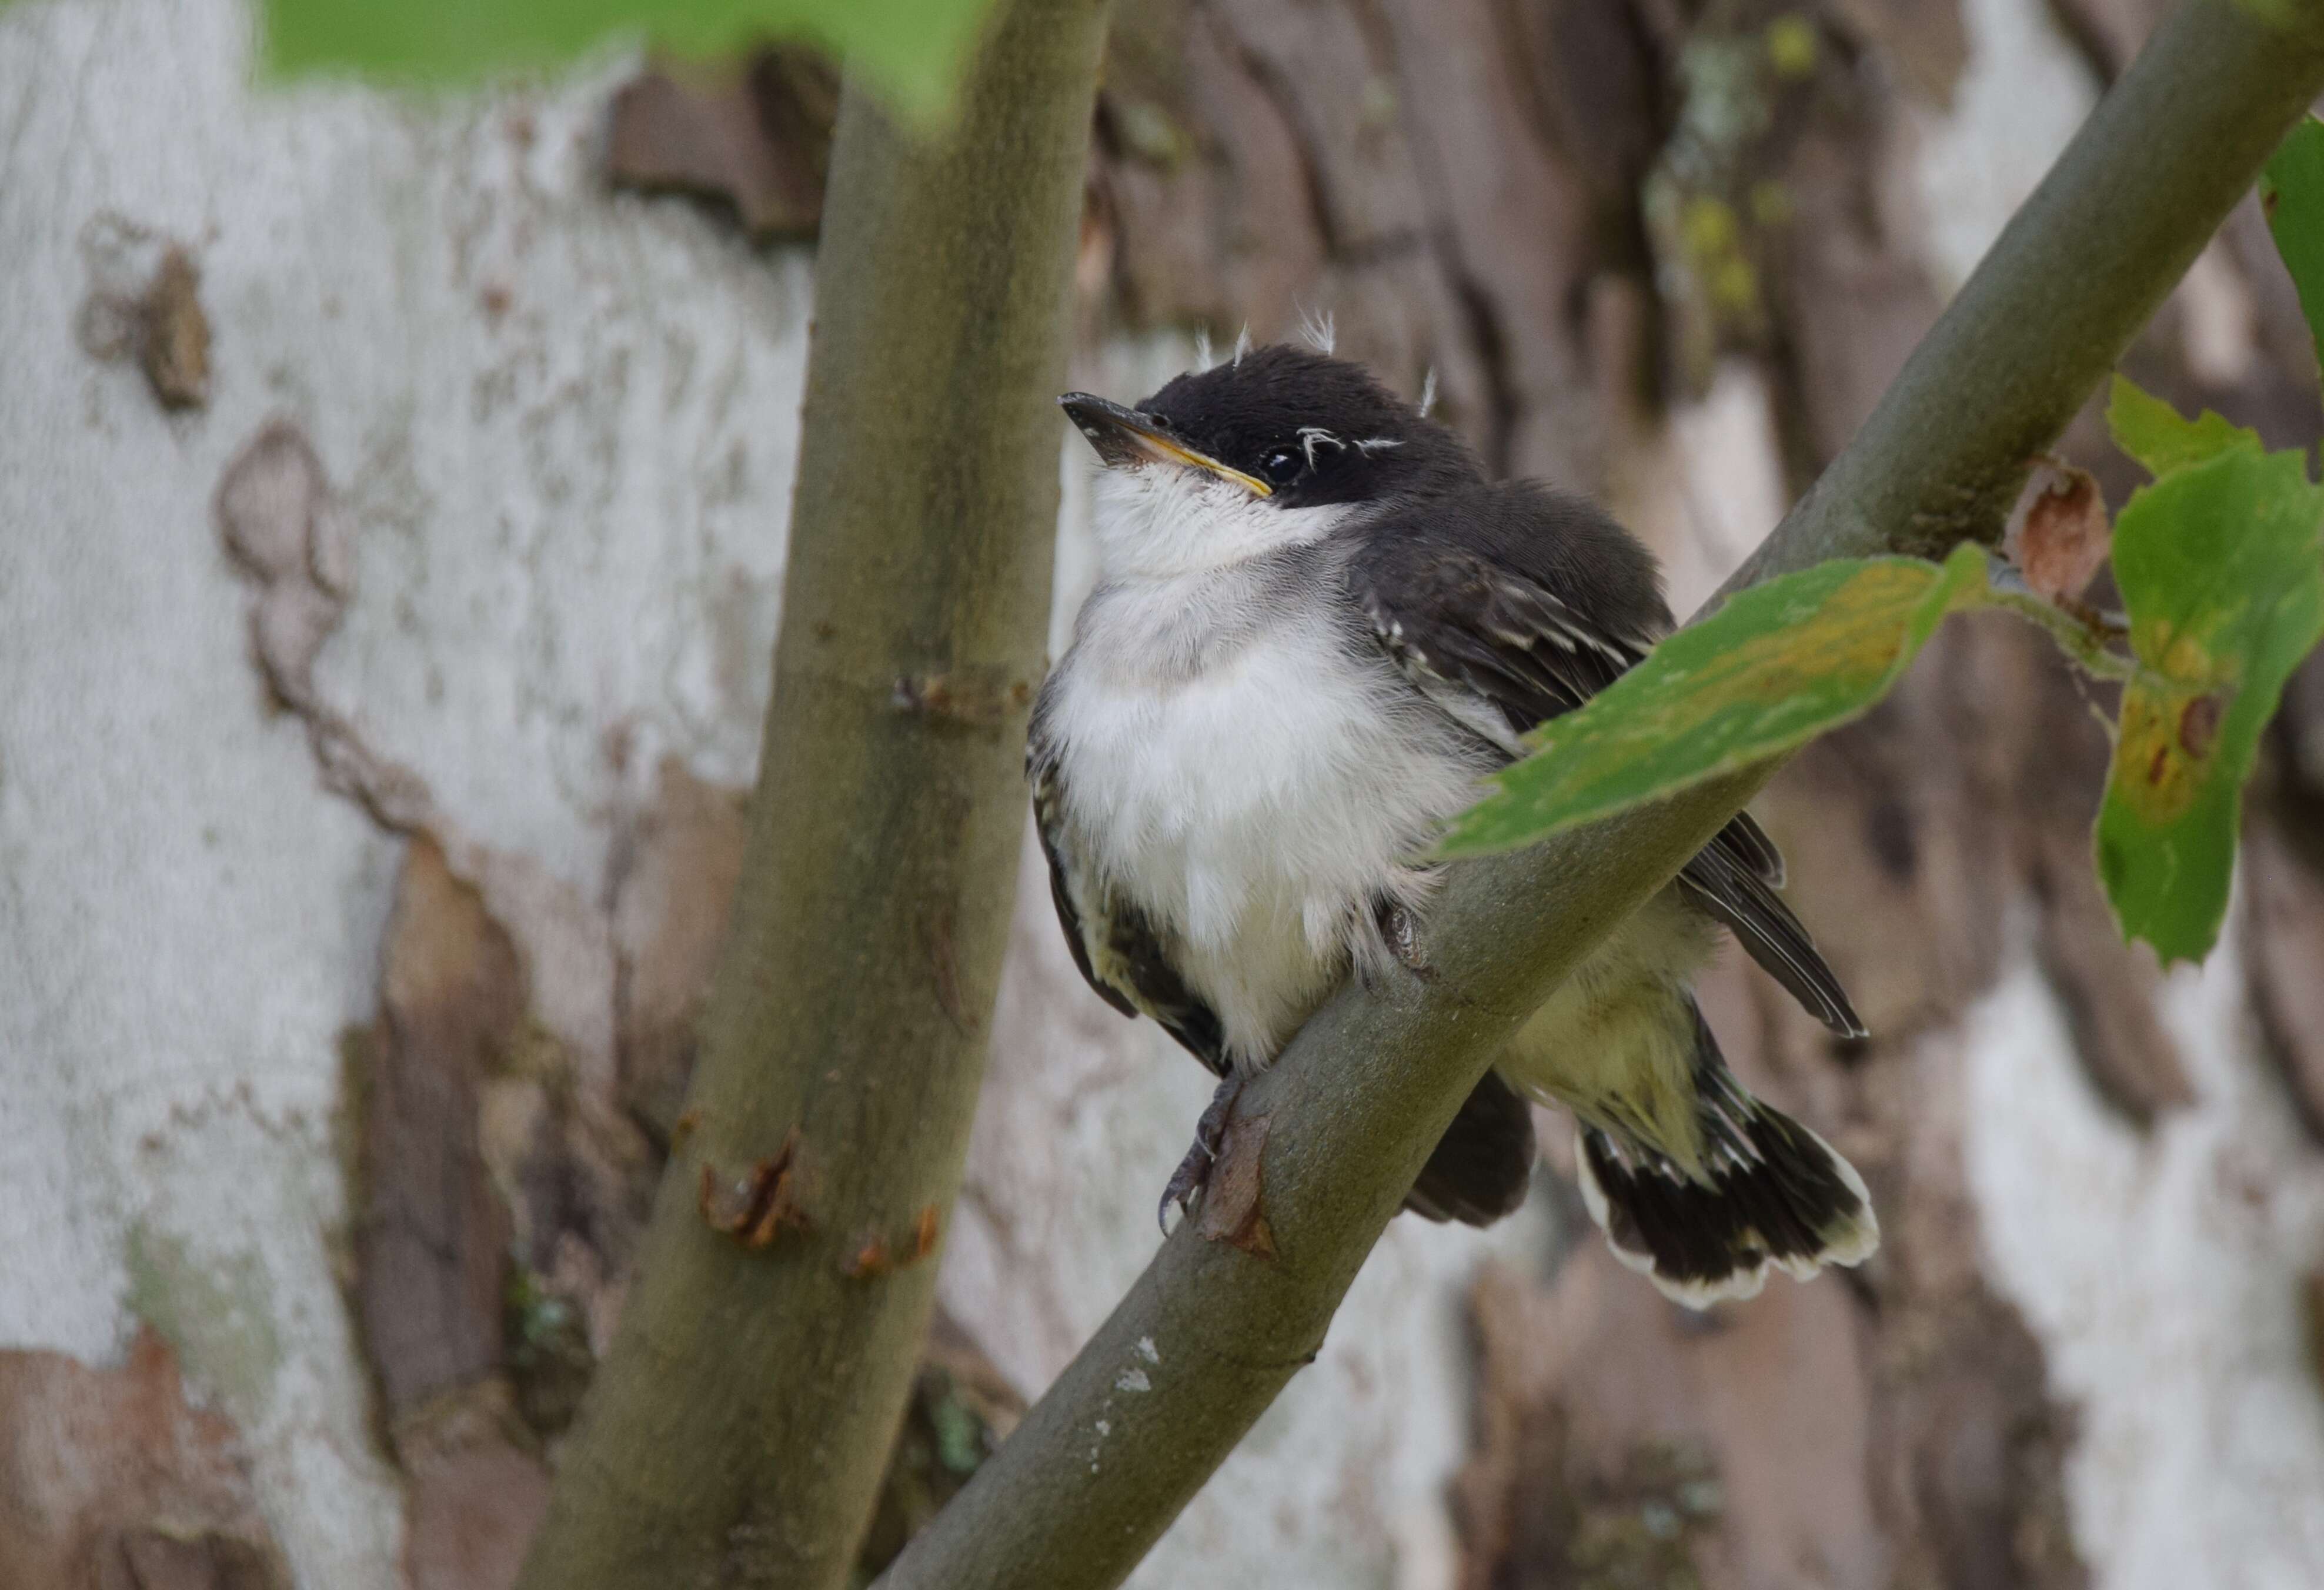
[739, 1429]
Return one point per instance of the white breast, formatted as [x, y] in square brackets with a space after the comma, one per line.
[1254, 805]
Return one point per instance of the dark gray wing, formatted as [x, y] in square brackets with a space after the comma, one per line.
[1484, 627]
[1742, 899]
[1116, 948]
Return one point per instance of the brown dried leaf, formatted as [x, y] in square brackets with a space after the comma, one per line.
[109, 1478]
[2060, 534]
[1233, 1207]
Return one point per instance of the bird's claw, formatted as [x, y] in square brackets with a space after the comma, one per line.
[1185, 1188]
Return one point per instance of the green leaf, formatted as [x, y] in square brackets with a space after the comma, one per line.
[2222, 572]
[915, 51]
[2292, 192]
[1776, 665]
[2159, 438]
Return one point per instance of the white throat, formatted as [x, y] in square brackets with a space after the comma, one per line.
[1163, 521]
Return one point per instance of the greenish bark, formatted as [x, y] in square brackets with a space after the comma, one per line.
[1210, 1334]
[737, 1430]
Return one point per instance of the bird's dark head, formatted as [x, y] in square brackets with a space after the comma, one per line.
[1273, 446]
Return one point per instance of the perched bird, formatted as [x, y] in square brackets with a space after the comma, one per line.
[1317, 627]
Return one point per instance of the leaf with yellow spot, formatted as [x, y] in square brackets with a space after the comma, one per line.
[1775, 666]
[2222, 572]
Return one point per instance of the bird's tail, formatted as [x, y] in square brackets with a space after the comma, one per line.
[1767, 1191]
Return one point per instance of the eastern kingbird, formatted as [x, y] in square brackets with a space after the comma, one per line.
[1317, 627]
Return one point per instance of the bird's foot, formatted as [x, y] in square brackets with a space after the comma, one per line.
[1185, 1188]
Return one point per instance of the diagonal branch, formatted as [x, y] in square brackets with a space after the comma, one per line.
[1208, 1336]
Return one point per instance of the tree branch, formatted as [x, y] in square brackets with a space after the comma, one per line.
[1209, 1334]
[738, 1429]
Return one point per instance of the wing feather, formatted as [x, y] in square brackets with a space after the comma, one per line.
[1493, 630]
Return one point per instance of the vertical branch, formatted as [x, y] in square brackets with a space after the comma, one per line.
[739, 1427]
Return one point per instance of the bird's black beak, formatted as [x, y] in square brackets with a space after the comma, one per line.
[1125, 439]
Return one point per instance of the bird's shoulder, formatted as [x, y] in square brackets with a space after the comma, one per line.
[1515, 602]
[1507, 593]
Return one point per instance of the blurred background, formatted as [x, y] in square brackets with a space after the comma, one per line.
[391, 504]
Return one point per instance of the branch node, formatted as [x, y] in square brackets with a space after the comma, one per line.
[872, 1257]
[758, 1206]
[1233, 1208]
[973, 697]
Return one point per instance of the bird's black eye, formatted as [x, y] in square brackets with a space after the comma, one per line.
[1281, 467]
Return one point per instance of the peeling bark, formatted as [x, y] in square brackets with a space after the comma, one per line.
[755, 133]
[109, 1478]
[432, 1244]
[673, 892]
[144, 302]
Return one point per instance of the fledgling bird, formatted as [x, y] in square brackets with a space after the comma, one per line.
[1317, 627]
